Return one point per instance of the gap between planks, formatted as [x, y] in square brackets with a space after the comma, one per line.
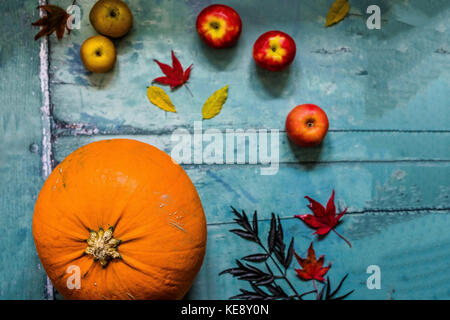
[46, 156]
[408, 211]
[67, 129]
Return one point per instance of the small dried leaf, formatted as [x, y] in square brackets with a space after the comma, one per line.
[234, 272]
[159, 98]
[263, 281]
[243, 234]
[214, 104]
[258, 290]
[255, 223]
[55, 20]
[277, 291]
[245, 222]
[272, 233]
[259, 257]
[290, 254]
[279, 255]
[338, 11]
[236, 213]
[331, 296]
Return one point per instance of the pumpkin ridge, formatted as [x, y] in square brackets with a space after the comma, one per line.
[133, 194]
[152, 265]
[180, 205]
[61, 212]
[67, 197]
[71, 261]
[71, 236]
[169, 274]
[162, 252]
[91, 267]
[128, 264]
[63, 259]
[120, 282]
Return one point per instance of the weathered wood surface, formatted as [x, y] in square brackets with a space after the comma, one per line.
[21, 274]
[386, 94]
[395, 78]
[412, 251]
[387, 154]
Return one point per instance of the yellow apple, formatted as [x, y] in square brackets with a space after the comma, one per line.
[98, 54]
[111, 18]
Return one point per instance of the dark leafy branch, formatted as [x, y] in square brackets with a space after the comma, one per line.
[326, 294]
[263, 281]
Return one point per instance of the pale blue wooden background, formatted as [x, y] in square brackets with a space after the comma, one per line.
[387, 152]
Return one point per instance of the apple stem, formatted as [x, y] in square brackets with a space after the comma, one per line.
[349, 244]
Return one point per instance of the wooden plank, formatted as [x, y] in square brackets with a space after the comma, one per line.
[371, 186]
[357, 146]
[360, 187]
[21, 276]
[385, 93]
[394, 78]
[413, 260]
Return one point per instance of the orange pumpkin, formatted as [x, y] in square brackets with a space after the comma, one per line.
[125, 218]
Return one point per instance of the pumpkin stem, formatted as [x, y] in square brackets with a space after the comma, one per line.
[103, 246]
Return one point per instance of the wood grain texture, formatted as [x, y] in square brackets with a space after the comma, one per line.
[363, 187]
[337, 147]
[387, 156]
[413, 262]
[21, 276]
[387, 79]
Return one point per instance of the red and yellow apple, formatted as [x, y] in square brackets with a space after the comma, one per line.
[219, 26]
[274, 50]
[307, 125]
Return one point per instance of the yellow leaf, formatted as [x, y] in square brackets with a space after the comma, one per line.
[214, 104]
[338, 11]
[159, 98]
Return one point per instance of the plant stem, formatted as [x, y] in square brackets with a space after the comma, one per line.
[349, 244]
[300, 296]
[317, 290]
[278, 267]
[189, 90]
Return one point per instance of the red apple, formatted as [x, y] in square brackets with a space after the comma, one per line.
[307, 125]
[274, 50]
[219, 26]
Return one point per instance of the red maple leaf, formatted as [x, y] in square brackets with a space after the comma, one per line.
[324, 219]
[312, 269]
[175, 76]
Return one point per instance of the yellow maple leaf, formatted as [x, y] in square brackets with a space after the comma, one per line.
[338, 11]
